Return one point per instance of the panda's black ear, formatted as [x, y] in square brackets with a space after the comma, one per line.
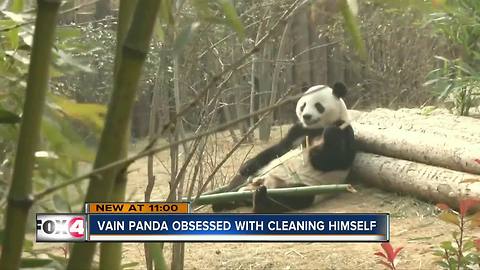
[339, 90]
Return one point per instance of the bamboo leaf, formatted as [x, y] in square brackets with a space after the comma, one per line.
[430, 82]
[232, 17]
[7, 117]
[60, 204]
[66, 59]
[128, 265]
[16, 8]
[65, 33]
[69, 146]
[439, 57]
[15, 16]
[166, 15]
[446, 91]
[201, 6]
[28, 245]
[352, 27]
[158, 31]
[446, 245]
[475, 220]
[88, 113]
[35, 262]
[184, 37]
[449, 217]
[468, 245]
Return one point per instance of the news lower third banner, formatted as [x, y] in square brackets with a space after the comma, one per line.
[143, 222]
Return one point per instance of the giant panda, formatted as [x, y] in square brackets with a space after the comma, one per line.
[323, 119]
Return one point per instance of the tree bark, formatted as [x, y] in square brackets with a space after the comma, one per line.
[301, 43]
[426, 182]
[264, 84]
[319, 52]
[445, 125]
[429, 149]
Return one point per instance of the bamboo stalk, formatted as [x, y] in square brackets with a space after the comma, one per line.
[20, 195]
[154, 251]
[111, 253]
[134, 52]
[274, 192]
[352, 26]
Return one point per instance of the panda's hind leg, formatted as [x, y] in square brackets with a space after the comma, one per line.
[263, 203]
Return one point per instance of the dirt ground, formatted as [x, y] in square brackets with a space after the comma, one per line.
[413, 226]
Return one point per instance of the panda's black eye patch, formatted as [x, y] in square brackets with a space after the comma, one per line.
[303, 107]
[319, 107]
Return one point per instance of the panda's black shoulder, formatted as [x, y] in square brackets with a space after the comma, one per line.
[337, 151]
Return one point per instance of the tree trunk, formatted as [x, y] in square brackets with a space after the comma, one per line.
[20, 194]
[426, 182]
[301, 44]
[238, 95]
[319, 52]
[430, 149]
[265, 84]
[335, 65]
[445, 125]
[102, 9]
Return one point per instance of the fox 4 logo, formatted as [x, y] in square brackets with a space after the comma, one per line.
[60, 228]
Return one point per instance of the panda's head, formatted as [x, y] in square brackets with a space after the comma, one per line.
[322, 106]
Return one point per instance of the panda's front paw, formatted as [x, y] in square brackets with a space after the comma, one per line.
[332, 132]
[249, 168]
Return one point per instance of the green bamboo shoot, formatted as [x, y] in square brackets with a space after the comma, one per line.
[134, 52]
[20, 196]
[111, 253]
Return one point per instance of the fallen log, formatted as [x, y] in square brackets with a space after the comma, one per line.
[426, 182]
[445, 125]
[451, 153]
